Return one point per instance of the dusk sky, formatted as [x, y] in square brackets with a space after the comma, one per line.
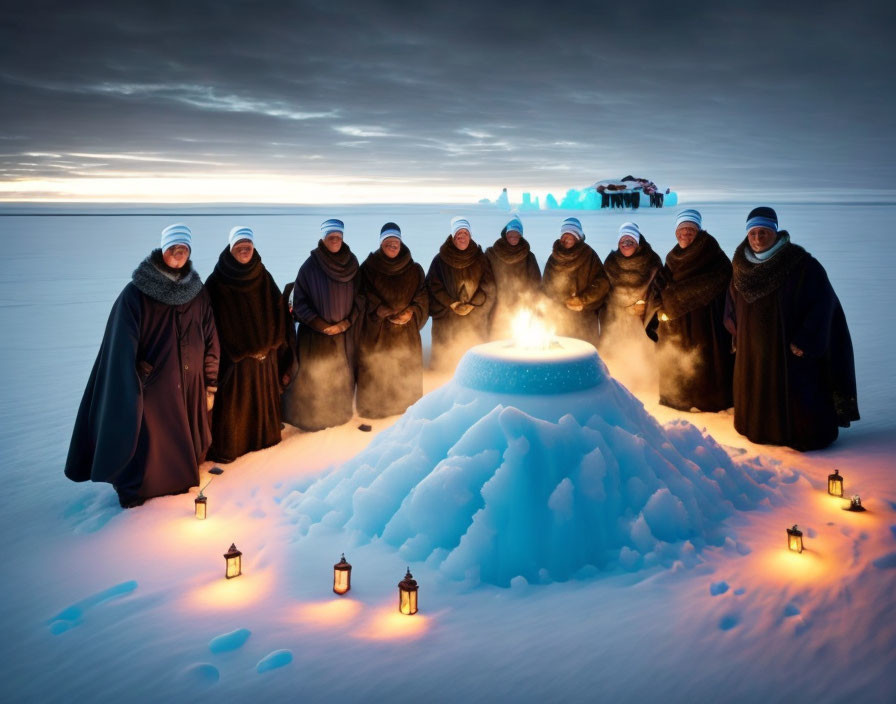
[314, 102]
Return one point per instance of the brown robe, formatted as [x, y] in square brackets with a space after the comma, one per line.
[621, 319]
[250, 318]
[517, 283]
[780, 398]
[390, 356]
[575, 272]
[143, 422]
[693, 348]
[457, 276]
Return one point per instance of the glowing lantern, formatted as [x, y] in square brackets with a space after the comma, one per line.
[342, 576]
[233, 557]
[835, 483]
[407, 594]
[201, 507]
[795, 539]
[855, 504]
[201, 502]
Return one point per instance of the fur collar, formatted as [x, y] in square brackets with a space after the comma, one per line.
[151, 278]
[753, 281]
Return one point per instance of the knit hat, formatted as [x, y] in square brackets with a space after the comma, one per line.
[630, 229]
[240, 232]
[459, 223]
[332, 225]
[689, 215]
[573, 227]
[762, 217]
[514, 225]
[390, 229]
[178, 233]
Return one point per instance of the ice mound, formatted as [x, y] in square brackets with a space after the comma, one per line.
[537, 465]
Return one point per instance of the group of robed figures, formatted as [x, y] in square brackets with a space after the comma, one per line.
[190, 371]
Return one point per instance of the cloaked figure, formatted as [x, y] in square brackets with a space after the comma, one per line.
[395, 306]
[794, 371]
[461, 289]
[143, 423]
[517, 277]
[685, 308]
[575, 283]
[631, 268]
[251, 321]
[322, 392]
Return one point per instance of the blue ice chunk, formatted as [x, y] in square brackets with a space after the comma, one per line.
[550, 203]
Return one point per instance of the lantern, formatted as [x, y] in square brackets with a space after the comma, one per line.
[201, 501]
[855, 503]
[407, 594]
[201, 507]
[233, 557]
[342, 576]
[835, 483]
[795, 539]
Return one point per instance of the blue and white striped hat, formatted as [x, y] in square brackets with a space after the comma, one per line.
[240, 232]
[178, 233]
[573, 227]
[630, 229]
[689, 215]
[762, 216]
[459, 223]
[332, 225]
[514, 225]
[390, 229]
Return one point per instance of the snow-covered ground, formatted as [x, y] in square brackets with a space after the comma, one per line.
[100, 604]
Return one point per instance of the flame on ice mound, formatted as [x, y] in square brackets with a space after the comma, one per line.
[536, 464]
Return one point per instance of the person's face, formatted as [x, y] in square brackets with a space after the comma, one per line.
[242, 251]
[627, 246]
[512, 237]
[333, 241]
[462, 239]
[685, 234]
[761, 238]
[568, 240]
[391, 246]
[176, 256]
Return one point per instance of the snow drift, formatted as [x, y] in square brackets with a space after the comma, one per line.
[536, 466]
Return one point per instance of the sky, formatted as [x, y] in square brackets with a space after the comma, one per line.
[418, 101]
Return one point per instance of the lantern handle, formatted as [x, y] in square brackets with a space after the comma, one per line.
[214, 474]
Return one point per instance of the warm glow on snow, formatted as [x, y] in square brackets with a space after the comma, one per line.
[331, 612]
[236, 593]
[387, 623]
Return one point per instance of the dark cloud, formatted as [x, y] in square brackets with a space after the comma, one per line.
[693, 95]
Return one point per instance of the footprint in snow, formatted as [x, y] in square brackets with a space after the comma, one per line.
[717, 588]
[729, 621]
[202, 674]
[274, 660]
[92, 510]
[74, 615]
[229, 641]
[791, 610]
[887, 562]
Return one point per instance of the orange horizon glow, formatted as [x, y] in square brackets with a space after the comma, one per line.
[117, 187]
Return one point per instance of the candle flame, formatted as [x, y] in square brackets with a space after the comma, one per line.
[530, 331]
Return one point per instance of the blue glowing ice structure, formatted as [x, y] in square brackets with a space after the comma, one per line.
[535, 464]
